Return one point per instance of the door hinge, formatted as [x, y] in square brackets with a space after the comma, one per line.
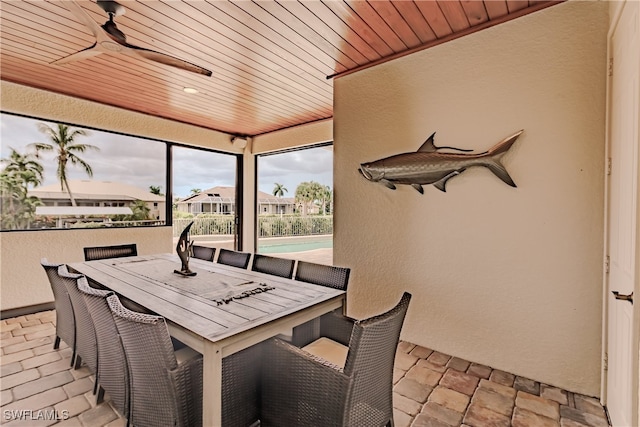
[609, 166]
[605, 362]
[607, 262]
[610, 66]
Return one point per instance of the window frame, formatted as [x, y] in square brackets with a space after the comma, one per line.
[168, 171]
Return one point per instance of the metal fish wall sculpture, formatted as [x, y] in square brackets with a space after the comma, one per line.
[429, 165]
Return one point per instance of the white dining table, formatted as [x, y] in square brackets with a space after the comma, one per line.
[201, 310]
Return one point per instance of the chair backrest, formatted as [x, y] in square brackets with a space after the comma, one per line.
[65, 320]
[371, 357]
[116, 251]
[233, 258]
[86, 344]
[112, 365]
[325, 275]
[150, 357]
[271, 265]
[204, 252]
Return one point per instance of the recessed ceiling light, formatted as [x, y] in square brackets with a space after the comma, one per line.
[190, 90]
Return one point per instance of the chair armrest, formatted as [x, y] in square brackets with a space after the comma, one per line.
[301, 389]
[332, 325]
[336, 326]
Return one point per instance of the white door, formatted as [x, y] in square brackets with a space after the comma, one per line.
[622, 375]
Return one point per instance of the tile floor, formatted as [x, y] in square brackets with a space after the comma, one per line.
[38, 388]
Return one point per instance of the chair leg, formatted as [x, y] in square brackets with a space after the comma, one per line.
[100, 395]
[78, 362]
[56, 343]
[73, 359]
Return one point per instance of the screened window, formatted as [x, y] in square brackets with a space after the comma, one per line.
[295, 203]
[204, 189]
[56, 175]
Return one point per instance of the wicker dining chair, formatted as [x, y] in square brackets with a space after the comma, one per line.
[113, 374]
[65, 320]
[281, 267]
[86, 343]
[116, 251]
[302, 389]
[163, 392]
[204, 252]
[234, 258]
[323, 275]
[166, 386]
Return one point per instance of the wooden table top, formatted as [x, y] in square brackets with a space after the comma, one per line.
[197, 303]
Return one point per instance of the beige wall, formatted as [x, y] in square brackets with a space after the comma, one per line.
[22, 280]
[510, 277]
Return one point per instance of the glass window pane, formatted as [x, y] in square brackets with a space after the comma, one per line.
[295, 204]
[204, 191]
[55, 175]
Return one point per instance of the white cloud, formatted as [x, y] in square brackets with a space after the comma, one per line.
[141, 162]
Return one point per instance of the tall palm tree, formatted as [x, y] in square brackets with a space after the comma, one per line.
[155, 189]
[325, 196]
[64, 145]
[279, 190]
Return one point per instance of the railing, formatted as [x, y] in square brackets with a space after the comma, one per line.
[294, 225]
[268, 225]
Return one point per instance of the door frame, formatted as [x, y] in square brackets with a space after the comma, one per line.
[615, 12]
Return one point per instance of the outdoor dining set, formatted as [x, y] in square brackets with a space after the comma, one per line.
[247, 340]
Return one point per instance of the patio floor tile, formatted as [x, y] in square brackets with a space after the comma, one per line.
[431, 389]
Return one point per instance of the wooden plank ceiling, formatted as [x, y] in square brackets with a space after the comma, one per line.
[270, 59]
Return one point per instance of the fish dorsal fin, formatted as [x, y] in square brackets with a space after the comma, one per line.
[428, 146]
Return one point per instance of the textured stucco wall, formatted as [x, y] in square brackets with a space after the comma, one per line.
[508, 277]
[22, 280]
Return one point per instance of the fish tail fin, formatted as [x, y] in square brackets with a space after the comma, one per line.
[504, 145]
[492, 159]
[499, 170]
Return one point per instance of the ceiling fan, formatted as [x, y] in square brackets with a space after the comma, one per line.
[111, 40]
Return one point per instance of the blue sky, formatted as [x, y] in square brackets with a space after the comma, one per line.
[140, 162]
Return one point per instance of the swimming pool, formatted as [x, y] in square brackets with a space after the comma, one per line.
[288, 246]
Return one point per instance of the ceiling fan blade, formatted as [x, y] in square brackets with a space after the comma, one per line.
[165, 59]
[80, 55]
[84, 17]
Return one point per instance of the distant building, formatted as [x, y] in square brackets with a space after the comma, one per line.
[105, 197]
[222, 200]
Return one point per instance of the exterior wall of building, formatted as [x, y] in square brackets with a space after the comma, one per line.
[509, 277]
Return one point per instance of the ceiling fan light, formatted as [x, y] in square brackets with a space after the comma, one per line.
[190, 90]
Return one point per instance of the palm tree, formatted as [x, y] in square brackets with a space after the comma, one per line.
[20, 172]
[195, 191]
[25, 166]
[306, 194]
[325, 196]
[64, 145]
[155, 189]
[279, 190]
[140, 210]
